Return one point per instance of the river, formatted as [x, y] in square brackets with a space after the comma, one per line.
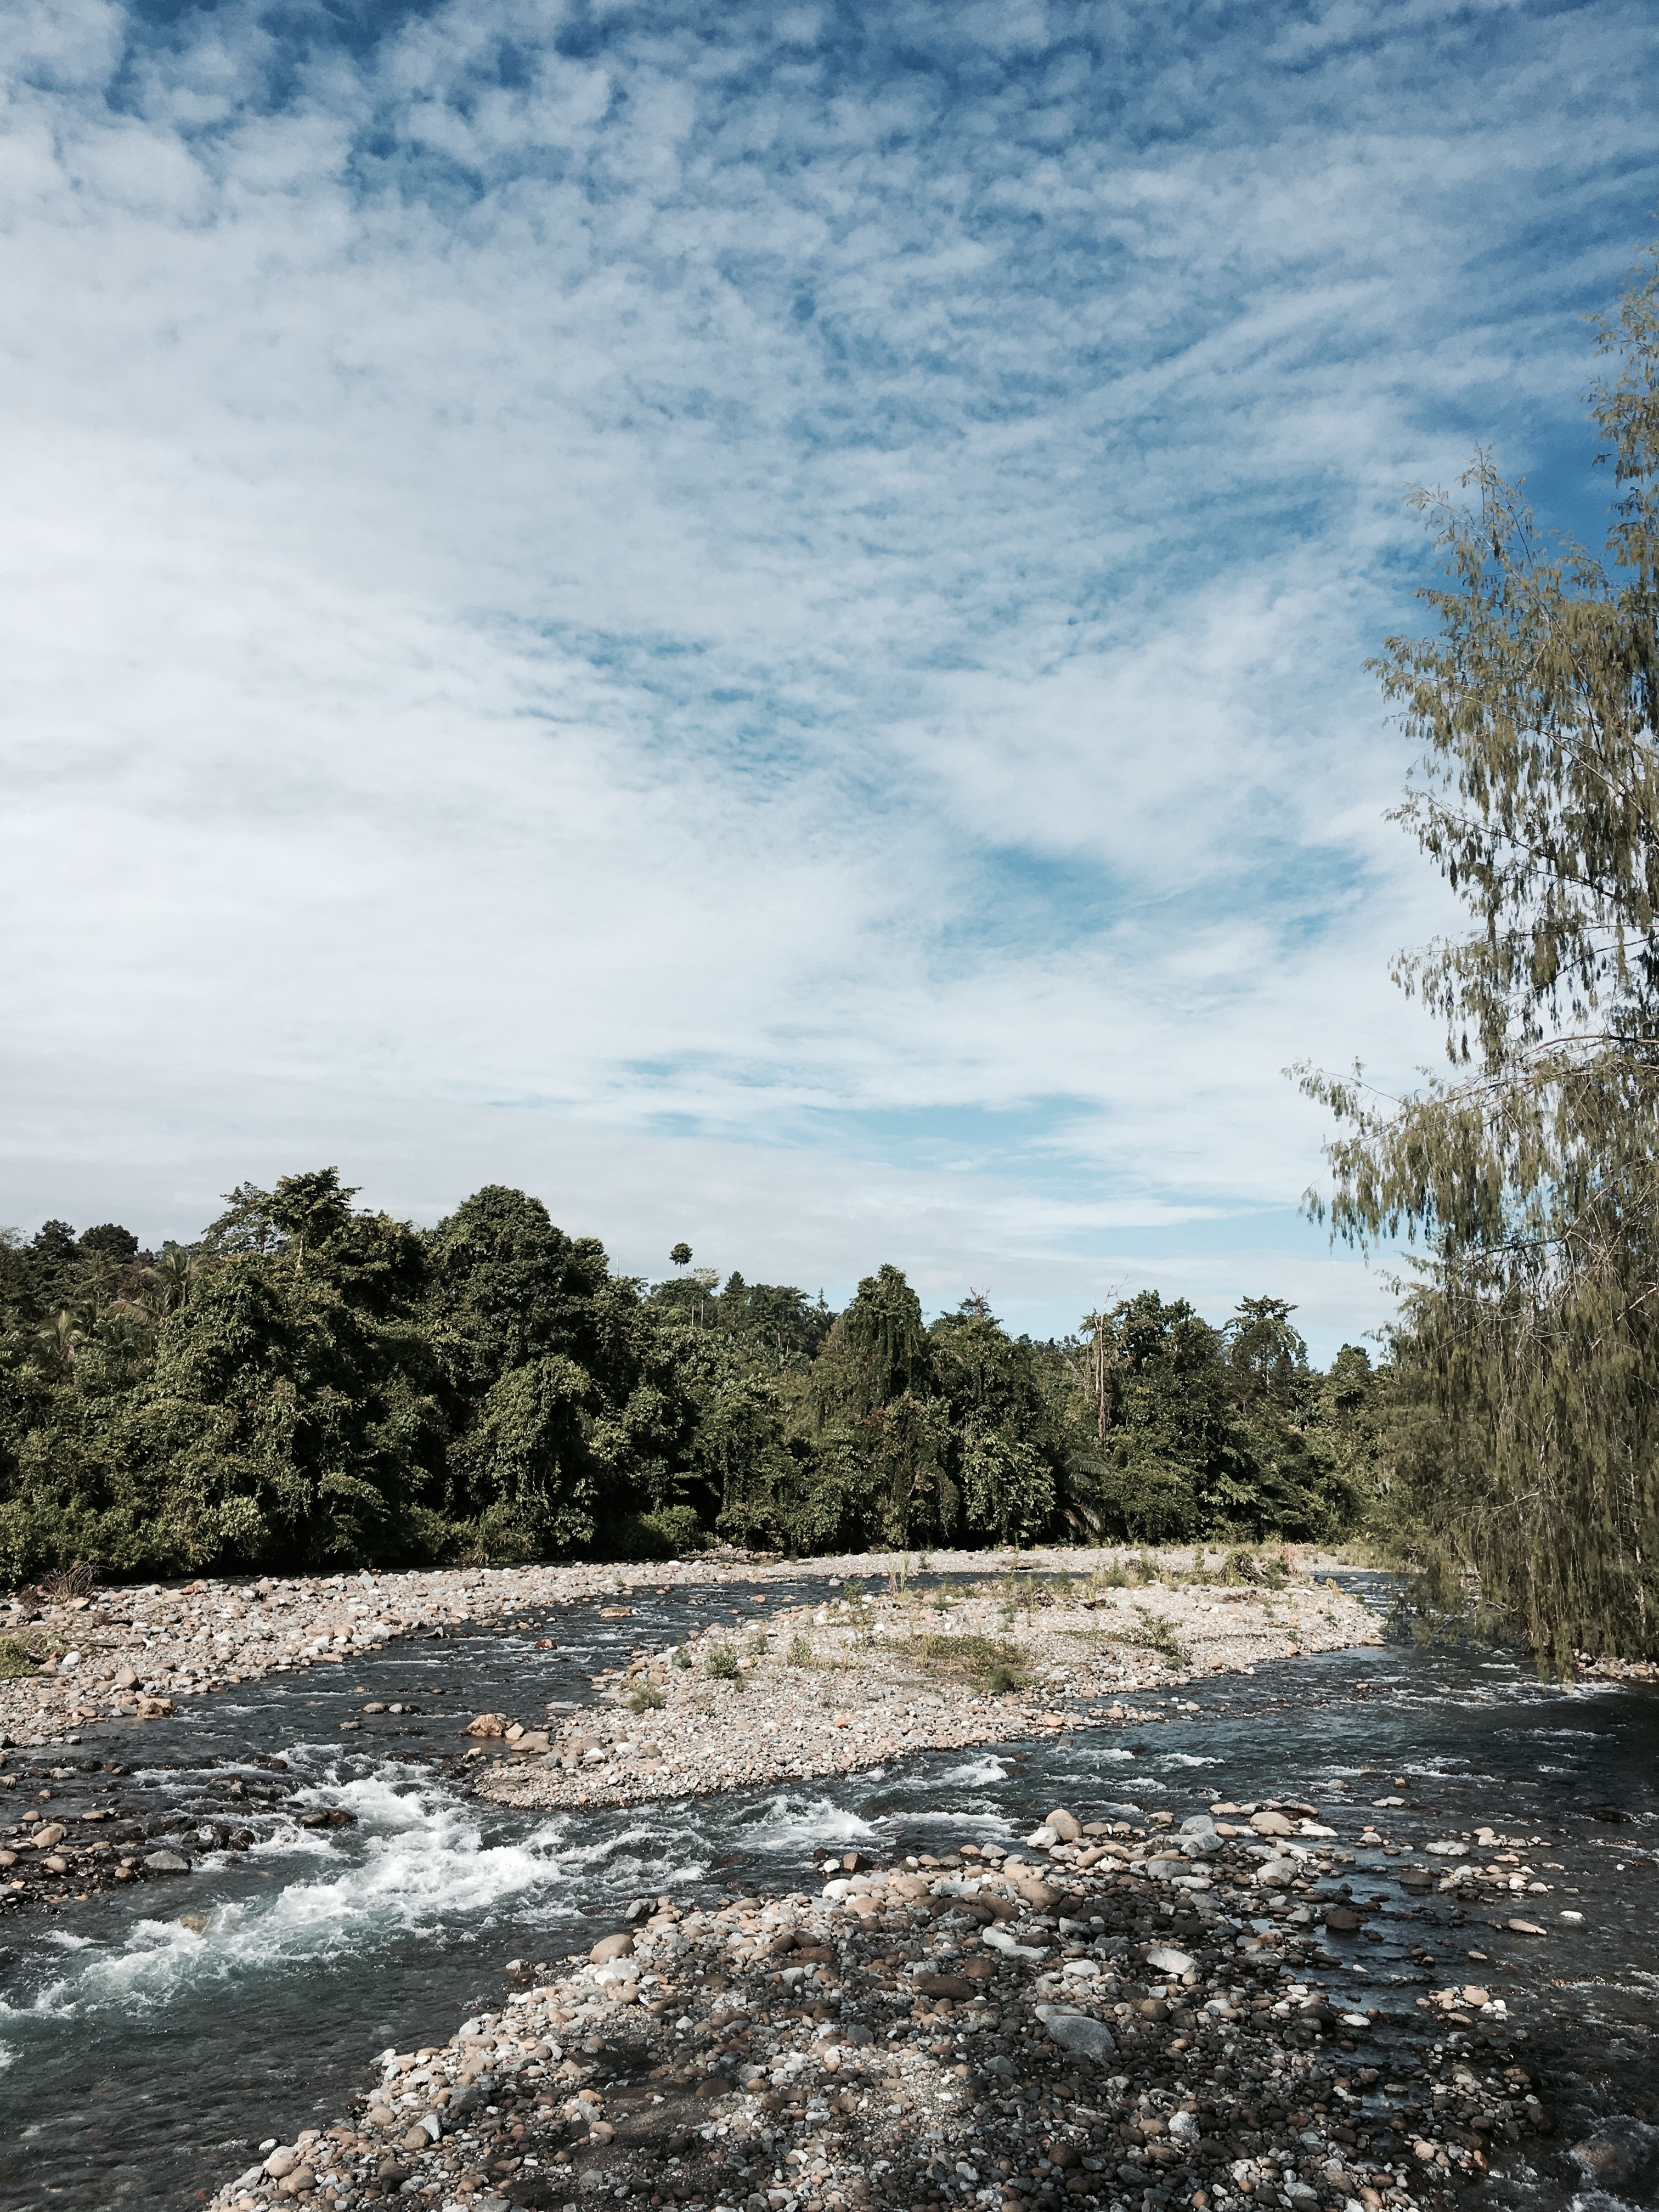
[142, 2060]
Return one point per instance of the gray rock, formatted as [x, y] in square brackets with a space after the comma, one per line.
[1167, 1960]
[1076, 2032]
[166, 1862]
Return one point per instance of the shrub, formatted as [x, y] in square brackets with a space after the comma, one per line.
[667, 1534]
[801, 1652]
[721, 1664]
[645, 1699]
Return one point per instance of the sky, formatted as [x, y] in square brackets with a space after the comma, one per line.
[753, 618]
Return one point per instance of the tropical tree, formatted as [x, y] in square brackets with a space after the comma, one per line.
[1530, 1172]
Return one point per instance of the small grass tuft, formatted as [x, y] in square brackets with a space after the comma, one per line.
[993, 1669]
[1157, 1633]
[721, 1665]
[645, 1699]
[64, 1584]
[16, 1659]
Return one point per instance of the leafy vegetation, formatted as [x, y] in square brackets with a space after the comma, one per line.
[1522, 1436]
[310, 1384]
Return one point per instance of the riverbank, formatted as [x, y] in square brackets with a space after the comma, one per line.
[877, 1672]
[1119, 2007]
[136, 1652]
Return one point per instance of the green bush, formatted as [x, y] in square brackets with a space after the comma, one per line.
[667, 1532]
[721, 1665]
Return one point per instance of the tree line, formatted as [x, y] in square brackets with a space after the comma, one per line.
[313, 1384]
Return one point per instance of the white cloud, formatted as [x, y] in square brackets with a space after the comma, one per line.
[709, 606]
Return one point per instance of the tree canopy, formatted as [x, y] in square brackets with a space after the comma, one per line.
[312, 1383]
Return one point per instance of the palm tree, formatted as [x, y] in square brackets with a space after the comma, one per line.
[61, 1338]
[176, 1275]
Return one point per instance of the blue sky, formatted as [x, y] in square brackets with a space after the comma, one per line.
[753, 617]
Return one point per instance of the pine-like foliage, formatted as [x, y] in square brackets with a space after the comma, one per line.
[1531, 1173]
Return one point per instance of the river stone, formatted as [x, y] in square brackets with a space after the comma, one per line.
[1075, 2032]
[300, 2183]
[166, 1862]
[44, 1838]
[943, 1985]
[1170, 1961]
[1607, 2160]
[1523, 1927]
[1041, 1896]
[611, 1947]
[1342, 1919]
[281, 2162]
[1276, 1874]
[1066, 1825]
[1272, 1824]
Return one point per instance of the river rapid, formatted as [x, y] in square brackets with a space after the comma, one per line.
[142, 2060]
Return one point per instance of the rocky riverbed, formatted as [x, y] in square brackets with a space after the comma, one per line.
[880, 1667]
[1119, 2011]
[373, 1807]
[879, 1670]
[135, 1653]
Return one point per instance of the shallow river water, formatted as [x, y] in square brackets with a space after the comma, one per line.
[142, 2060]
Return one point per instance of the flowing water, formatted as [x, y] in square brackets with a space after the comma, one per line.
[142, 2060]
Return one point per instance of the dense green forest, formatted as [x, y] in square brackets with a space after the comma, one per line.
[311, 1383]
